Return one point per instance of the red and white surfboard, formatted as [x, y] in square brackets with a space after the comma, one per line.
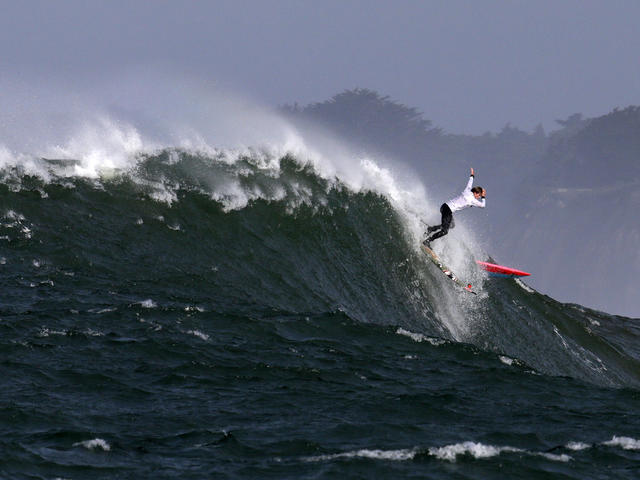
[501, 271]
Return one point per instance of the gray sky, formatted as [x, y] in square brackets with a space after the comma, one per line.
[469, 66]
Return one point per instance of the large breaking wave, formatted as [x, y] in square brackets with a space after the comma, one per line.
[284, 222]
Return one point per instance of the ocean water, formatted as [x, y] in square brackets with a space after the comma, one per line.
[245, 314]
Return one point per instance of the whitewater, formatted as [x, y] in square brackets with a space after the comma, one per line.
[195, 288]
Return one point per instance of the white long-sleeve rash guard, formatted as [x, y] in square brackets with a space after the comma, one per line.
[465, 199]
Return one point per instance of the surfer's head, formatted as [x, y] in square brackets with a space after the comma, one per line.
[477, 192]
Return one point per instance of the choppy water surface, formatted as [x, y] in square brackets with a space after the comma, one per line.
[200, 316]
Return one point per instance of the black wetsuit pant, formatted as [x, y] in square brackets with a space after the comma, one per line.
[446, 224]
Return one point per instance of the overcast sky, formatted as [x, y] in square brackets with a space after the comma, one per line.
[469, 66]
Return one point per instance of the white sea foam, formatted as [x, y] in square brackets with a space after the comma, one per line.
[198, 334]
[46, 332]
[448, 453]
[18, 224]
[481, 451]
[93, 333]
[148, 303]
[476, 450]
[556, 458]
[103, 146]
[393, 455]
[13, 215]
[506, 360]
[418, 337]
[100, 311]
[626, 443]
[194, 308]
[577, 446]
[524, 286]
[27, 163]
[96, 443]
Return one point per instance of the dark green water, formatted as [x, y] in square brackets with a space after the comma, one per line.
[200, 318]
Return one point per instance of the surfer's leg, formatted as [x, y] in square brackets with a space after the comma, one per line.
[439, 234]
[447, 217]
[447, 223]
[443, 208]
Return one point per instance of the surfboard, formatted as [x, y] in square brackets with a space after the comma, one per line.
[436, 260]
[501, 271]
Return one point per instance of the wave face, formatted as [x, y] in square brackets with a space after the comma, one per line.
[254, 307]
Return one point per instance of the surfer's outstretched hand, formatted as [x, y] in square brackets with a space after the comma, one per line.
[472, 171]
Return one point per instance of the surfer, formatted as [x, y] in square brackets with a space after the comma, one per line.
[470, 197]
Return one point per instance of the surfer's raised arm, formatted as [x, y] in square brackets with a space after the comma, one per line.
[470, 182]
